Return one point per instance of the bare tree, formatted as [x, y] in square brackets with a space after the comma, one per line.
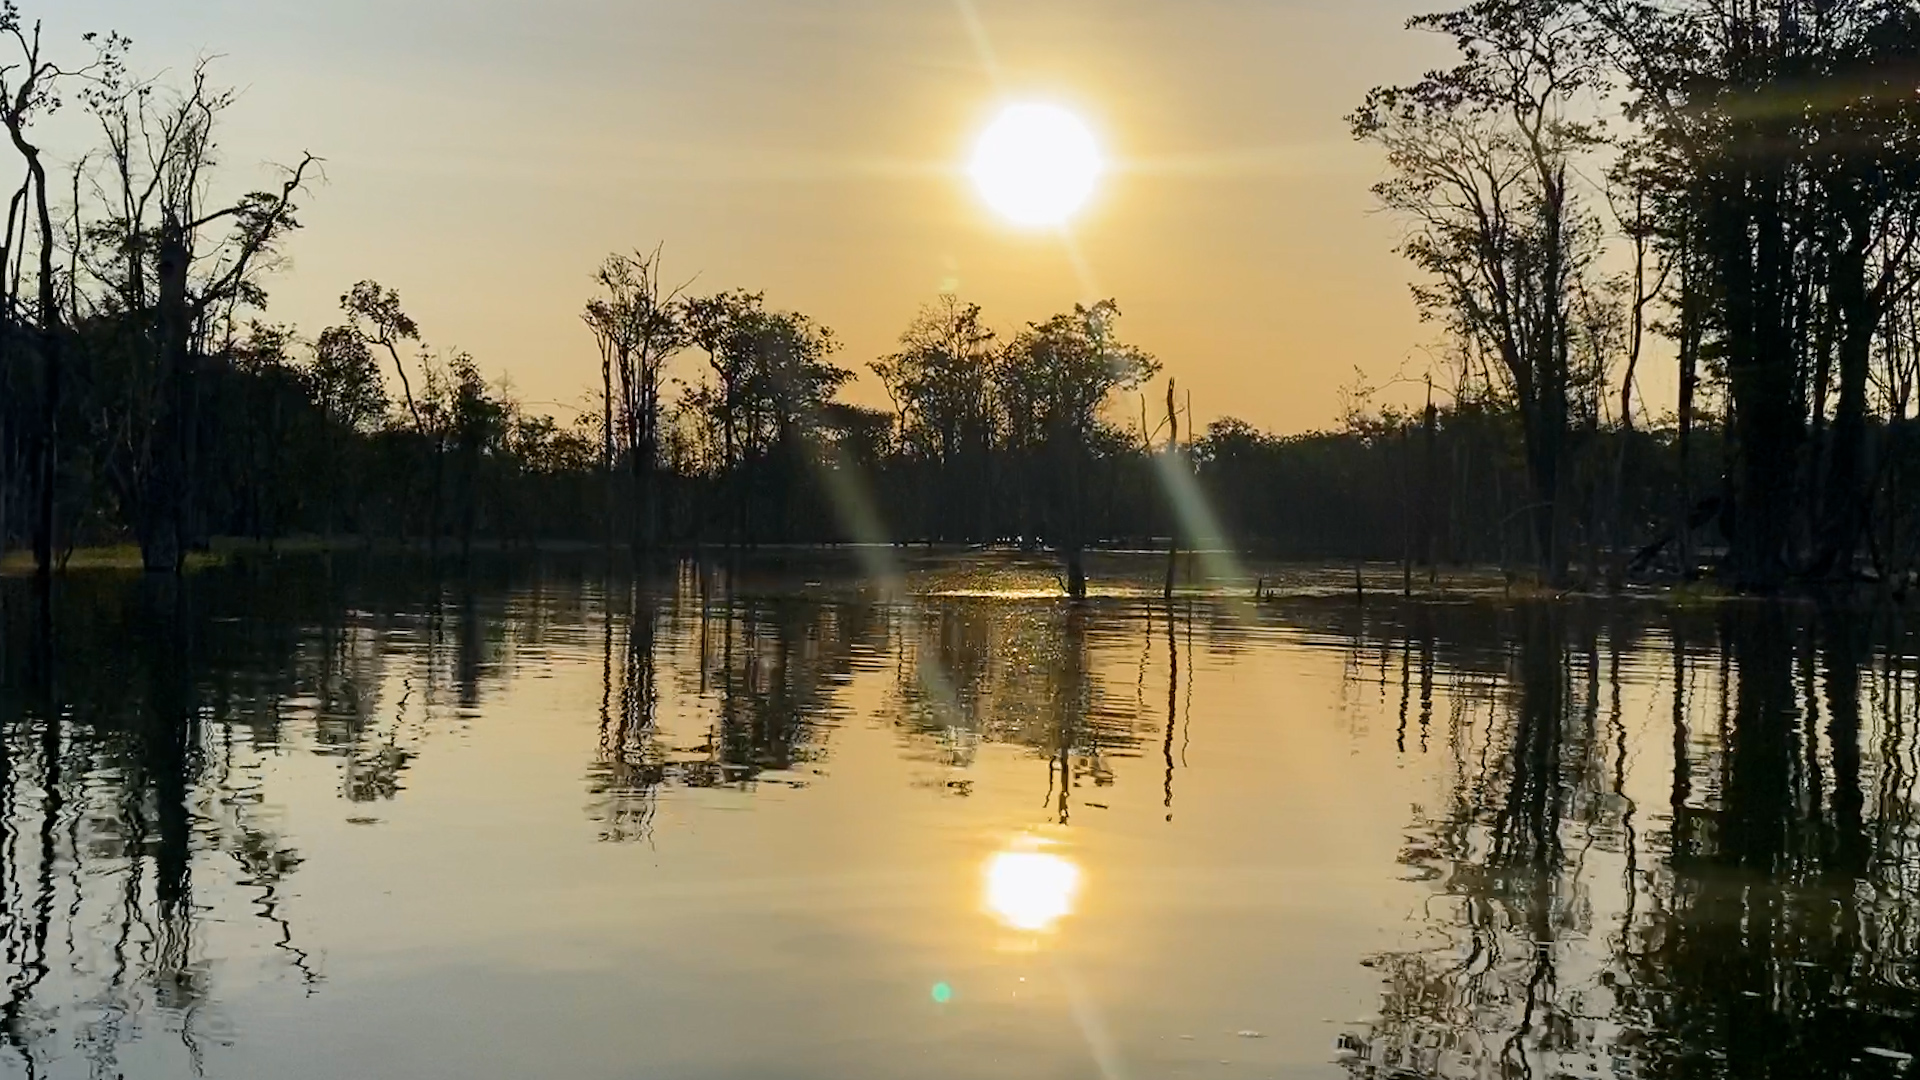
[30, 88]
[637, 325]
[180, 264]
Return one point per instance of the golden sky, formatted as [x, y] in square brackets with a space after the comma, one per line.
[482, 157]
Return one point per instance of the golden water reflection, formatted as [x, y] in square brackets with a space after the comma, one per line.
[1031, 890]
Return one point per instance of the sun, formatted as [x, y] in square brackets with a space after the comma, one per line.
[1036, 164]
[1031, 890]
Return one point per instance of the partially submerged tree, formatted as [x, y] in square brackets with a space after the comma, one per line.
[1057, 377]
[180, 263]
[637, 326]
[31, 87]
[1483, 170]
[941, 384]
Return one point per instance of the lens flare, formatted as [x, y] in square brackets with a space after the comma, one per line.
[1036, 164]
[1031, 890]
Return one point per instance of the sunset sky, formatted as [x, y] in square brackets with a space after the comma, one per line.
[483, 156]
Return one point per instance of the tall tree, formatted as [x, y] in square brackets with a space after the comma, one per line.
[204, 257]
[637, 325]
[344, 381]
[1059, 375]
[1482, 158]
[721, 326]
[374, 312]
[30, 88]
[940, 381]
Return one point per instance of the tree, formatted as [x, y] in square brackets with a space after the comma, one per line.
[719, 325]
[771, 383]
[374, 312]
[29, 90]
[941, 383]
[344, 382]
[180, 265]
[790, 382]
[1788, 168]
[637, 326]
[476, 424]
[1056, 377]
[1482, 157]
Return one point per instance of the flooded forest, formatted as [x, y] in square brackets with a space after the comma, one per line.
[989, 704]
[1598, 190]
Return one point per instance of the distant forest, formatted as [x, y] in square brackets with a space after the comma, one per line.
[1594, 187]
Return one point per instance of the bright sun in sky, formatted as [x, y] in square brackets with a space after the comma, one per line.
[1036, 164]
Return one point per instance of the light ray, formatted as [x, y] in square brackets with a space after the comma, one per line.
[859, 516]
[1093, 1026]
[1082, 269]
[977, 30]
[1194, 517]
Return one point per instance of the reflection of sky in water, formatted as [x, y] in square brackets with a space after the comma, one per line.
[552, 828]
[1031, 890]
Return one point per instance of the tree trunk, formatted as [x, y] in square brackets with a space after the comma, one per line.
[1174, 462]
[52, 341]
[1844, 511]
[164, 517]
[606, 448]
[1429, 503]
[1750, 243]
[1548, 514]
[1689, 351]
[1067, 516]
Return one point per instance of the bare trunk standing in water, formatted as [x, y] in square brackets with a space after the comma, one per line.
[18, 105]
[1173, 527]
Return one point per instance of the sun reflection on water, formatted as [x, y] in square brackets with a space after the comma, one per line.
[1030, 890]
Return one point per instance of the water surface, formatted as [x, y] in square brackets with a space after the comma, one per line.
[320, 820]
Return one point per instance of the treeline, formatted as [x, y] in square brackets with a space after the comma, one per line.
[1731, 185]
[1595, 186]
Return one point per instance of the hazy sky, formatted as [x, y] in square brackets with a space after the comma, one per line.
[483, 156]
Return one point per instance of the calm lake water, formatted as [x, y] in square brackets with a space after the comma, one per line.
[304, 820]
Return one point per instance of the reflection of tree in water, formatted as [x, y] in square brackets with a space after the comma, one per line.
[625, 779]
[759, 677]
[130, 776]
[756, 684]
[1761, 926]
[781, 662]
[1785, 945]
[376, 687]
[133, 767]
[1490, 1000]
[974, 670]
